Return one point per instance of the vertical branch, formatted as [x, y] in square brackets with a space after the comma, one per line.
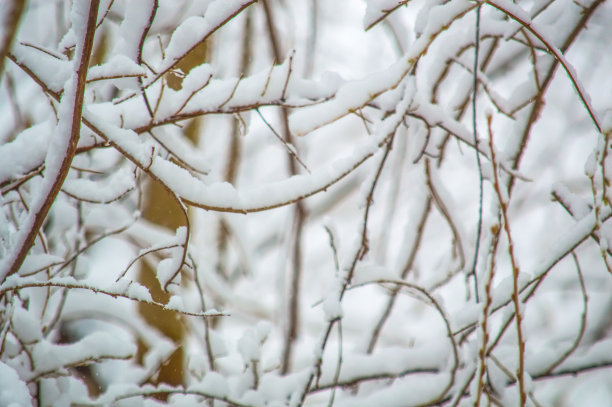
[601, 200]
[482, 353]
[583, 318]
[294, 311]
[143, 36]
[503, 203]
[274, 41]
[231, 170]
[299, 216]
[9, 23]
[61, 151]
[435, 196]
[358, 255]
[475, 131]
[338, 367]
[207, 339]
[234, 151]
[312, 38]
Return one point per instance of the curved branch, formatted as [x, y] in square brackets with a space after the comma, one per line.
[438, 307]
[512, 11]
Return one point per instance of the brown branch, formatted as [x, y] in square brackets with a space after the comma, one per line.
[482, 352]
[167, 390]
[372, 377]
[386, 13]
[75, 285]
[207, 337]
[12, 16]
[145, 169]
[360, 252]
[520, 374]
[445, 213]
[299, 214]
[191, 114]
[534, 114]
[143, 36]
[420, 228]
[75, 128]
[188, 51]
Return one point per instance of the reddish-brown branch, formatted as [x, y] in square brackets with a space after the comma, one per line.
[558, 54]
[75, 129]
[538, 105]
[482, 353]
[520, 374]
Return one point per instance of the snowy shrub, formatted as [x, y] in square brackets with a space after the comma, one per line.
[305, 203]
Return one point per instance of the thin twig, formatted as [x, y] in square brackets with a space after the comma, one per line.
[479, 164]
[482, 352]
[338, 366]
[515, 272]
[289, 148]
[583, 317]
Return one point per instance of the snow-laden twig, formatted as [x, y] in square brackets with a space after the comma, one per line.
[133, 291]
[62, 151]
[516, 13]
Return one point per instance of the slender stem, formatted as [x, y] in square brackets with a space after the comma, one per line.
[479, 164]
[538, 105]
[143, 36]
[520, 374]
[482, 353]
